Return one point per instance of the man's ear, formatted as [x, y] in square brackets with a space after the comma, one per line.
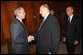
[46, 8]
[18, 13]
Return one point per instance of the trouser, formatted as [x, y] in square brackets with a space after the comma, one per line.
[70, 47]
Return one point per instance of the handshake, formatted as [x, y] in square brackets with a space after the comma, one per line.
[30, 38]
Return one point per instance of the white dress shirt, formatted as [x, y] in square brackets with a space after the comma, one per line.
[19, 19]
[71, 18]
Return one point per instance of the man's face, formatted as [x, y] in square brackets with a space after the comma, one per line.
[69, 11]
[42, 11]
[22, 13]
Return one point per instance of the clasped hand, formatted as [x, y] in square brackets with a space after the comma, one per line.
[30, 38]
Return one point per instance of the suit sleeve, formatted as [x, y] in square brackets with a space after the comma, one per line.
[17, 35]
[35, 35]
[78, 30]
[65, 28]
[55, 37]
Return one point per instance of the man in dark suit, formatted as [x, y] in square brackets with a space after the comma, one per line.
[72, 30]
[19, 34]
[48, 34]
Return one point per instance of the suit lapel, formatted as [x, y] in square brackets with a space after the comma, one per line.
[44, 22]
[21, 25]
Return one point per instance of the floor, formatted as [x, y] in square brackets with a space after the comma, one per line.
[62, 49]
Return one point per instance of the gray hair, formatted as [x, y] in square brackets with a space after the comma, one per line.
[46, 6]
[17, 10]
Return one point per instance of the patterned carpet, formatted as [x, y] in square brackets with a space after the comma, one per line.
[6, 49]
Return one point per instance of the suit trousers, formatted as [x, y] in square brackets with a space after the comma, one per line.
[70, 47]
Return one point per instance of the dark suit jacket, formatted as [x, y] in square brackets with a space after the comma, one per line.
[19, 35]
[74, 29]
[48, 36]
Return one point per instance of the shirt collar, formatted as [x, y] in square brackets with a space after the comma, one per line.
[19, 19]
[71, 16]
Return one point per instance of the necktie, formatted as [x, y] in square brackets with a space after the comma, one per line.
[68, 24]
[22, 23]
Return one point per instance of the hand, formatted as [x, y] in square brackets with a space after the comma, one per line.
[30, 38]
[76, 42]
[64, 39]
[49, 53]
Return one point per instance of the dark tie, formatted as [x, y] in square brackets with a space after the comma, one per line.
[68, 24]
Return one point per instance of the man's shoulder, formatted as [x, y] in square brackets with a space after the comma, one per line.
[76, 17]
[14, 23]
[51, 17]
